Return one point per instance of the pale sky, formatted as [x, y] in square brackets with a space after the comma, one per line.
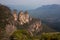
[30, 3]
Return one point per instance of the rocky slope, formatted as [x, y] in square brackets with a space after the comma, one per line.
[11, 21]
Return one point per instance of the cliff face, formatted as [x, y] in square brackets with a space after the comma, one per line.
[26, 22]
[13, 21]
[35, 27]
[7, 25]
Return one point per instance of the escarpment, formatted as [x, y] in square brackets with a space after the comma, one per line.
[12, 21]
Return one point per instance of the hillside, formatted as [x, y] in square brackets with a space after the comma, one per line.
[47, 29]
[49, 14]
[24, 35]
[13, 24]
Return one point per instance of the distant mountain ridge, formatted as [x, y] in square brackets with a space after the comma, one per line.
[46, 10]
[50, 14]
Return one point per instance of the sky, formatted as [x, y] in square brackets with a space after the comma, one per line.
[29, 3]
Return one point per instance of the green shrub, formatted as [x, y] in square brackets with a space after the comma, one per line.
[21, 35]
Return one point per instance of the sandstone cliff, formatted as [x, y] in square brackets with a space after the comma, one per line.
[12, 21]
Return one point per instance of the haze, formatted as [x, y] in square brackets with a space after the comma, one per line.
[29, 3]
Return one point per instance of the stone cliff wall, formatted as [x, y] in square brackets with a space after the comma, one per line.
[11, 22]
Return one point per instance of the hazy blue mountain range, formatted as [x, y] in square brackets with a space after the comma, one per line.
[49, 14]
[47, 11]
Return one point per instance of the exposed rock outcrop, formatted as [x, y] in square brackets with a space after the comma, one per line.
[35, 26]
[26, 22]
[13, 21]
[15, 15]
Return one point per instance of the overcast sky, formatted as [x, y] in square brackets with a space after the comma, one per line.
[31, 3]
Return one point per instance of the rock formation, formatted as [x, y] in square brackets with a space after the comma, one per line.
[15, 15]
[35, 27]
[32, 24]
[26, 17]
[12, 22]
[7, 24]
[21, 17]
